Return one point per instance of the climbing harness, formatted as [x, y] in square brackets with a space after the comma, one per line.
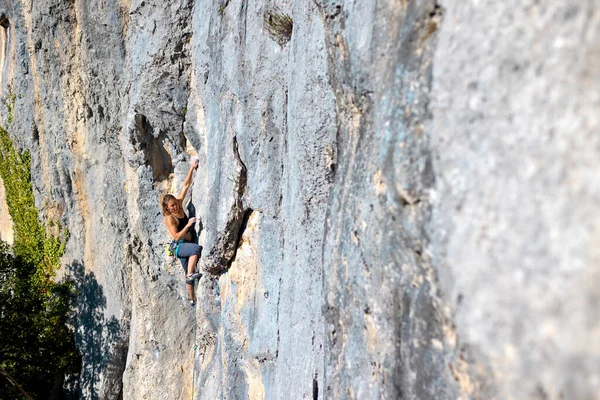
[168, 250]
[179, 242]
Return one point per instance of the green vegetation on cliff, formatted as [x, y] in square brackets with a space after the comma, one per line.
[32, 243]
[37, 348]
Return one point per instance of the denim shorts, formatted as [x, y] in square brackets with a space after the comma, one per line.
[185, 251]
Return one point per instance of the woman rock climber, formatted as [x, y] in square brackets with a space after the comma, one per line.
[179, 226]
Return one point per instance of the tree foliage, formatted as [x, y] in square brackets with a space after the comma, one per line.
[37, 348]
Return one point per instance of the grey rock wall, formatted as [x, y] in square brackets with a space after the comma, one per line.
[386, 318]
[515, 129]
[396, 199]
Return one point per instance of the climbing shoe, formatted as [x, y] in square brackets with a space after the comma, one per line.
[190, 278]
[192, 303]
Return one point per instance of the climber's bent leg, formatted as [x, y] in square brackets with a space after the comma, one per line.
[188, 254]
[192, 261]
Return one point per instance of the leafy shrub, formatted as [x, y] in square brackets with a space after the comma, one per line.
[279, 26]
[37, 348]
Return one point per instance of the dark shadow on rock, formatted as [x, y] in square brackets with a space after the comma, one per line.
[155, 153]
[191, 212]
[97, 337]
[191, 209]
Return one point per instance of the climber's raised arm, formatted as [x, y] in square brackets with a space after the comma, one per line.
[188, 180]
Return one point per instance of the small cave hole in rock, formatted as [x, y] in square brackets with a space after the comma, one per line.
[4, 21]
[35, 134]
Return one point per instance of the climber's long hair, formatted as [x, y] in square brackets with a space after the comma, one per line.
[163, 203]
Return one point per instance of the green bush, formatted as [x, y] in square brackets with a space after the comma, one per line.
[279, 27]
[32, 243]
[37, 348]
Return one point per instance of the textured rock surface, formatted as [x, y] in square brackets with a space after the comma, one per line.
[516, 96]
[397, 200]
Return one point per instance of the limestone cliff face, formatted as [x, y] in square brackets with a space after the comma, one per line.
[398, 199]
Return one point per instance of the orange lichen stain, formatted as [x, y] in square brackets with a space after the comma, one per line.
[430, 28]
[417, 281]
[355, 116]
[37, 100]
[342, 46]
[187, 367]
[239, 287]
[371, 335]
[380, 186]
[124, 7]
[418, 130]
[79, 189]
[54, 212]
[404, 4]
[256, 389]
[245, 272]
[224, 289]
[449, 336]
[459, 369]
[460, 375]
[207, 357]
[351, 393]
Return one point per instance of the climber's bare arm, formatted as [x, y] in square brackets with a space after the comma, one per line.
[182, 234]
[188, 180]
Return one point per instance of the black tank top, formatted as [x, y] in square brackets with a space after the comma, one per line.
[182, 222]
